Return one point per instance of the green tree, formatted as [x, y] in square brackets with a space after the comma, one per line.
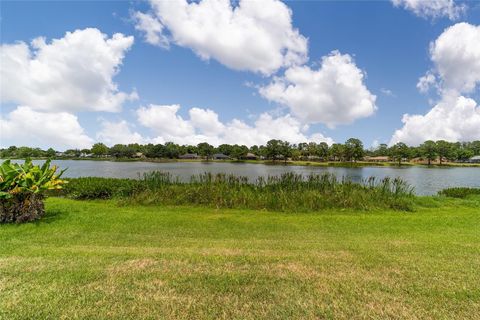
[312, 149]
[171, 150]
[255, 150]
[50, 153]
[226, 149]
[464, 154]
[24, 152]
[273, 149]
[121, 151]
[73, 153]
[444, 149]
[381, 150]
[262, 152]
[322, 150]
[285, 150]
[475, 147]
[297, 154]
[205, 150]
[238, 152]
[99, 149]
[303, 150]
[429, 150]
[12, 151]
[399, 151]
[155, 151]
[337, 151]
[354, 149]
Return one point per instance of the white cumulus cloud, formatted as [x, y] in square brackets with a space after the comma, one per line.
[152, 29]
[163, 119]
[426, 82]
[456, 72]
[204, 125]
[27, 127]
[433, 8]
[333, 94]
[453, 119]
[268, 127]
[112, 133]
[206, 121]
[72, 73]
[456, 57]
[251, 35]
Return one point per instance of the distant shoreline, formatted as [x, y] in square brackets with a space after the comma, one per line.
[270, 162]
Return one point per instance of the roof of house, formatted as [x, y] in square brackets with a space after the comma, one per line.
[475, 158]
[251, 155]
[188, 155]
[220, 155]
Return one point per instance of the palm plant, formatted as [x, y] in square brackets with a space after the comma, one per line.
[22, 189]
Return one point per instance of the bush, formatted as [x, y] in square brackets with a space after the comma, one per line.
[459, 192]
[22, 189]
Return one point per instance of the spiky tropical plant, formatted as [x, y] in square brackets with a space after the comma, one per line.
[22, 189]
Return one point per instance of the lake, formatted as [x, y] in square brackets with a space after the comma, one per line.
[426, 181]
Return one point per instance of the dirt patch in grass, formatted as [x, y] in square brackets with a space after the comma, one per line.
[134, 265]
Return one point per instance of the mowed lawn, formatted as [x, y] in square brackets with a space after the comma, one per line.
[99, 260]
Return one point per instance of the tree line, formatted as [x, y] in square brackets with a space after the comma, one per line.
[352, 150]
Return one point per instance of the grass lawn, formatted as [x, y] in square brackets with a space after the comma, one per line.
[97, 260]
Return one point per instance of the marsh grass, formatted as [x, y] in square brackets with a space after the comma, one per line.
[460, 192]
[287, 192]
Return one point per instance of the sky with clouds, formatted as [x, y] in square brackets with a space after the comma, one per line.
[73, 73]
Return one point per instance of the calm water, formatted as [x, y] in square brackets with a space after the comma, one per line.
[426, 181]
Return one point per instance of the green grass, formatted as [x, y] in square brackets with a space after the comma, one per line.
[99, 260]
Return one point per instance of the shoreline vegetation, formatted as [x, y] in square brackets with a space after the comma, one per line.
[350, 153]
[287, 192]
[266, 162]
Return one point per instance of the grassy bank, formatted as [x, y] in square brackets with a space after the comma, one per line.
[98, 260]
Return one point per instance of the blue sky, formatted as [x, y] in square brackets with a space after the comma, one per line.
[388, 44]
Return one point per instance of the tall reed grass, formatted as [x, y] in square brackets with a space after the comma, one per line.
[288, 192]
[459, 192]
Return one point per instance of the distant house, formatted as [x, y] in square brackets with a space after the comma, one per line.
[220, 156]
[189, 156]
[377, 159]
[420, 160]
[251, 156]
[138, 155]
[475, 159]
[85, 155]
